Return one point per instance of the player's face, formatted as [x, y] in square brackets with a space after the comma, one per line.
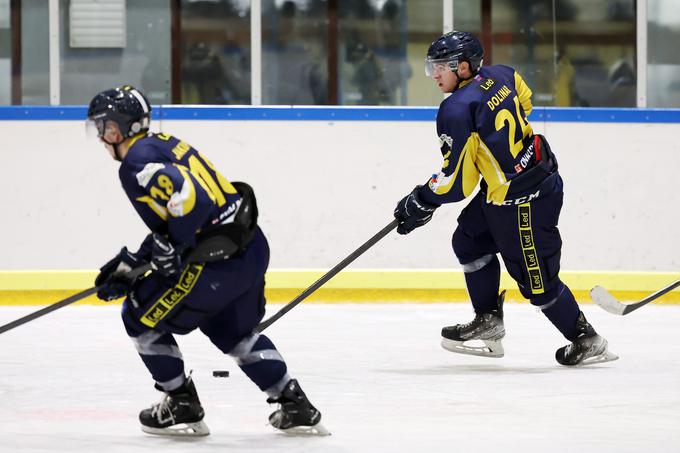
[111, 135]
[444, 77]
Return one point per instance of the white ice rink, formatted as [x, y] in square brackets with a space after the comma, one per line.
[72, 382]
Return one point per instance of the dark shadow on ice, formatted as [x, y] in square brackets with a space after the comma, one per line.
[444, 370]
[460, 369]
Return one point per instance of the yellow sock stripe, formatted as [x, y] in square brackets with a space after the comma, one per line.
[354, 285]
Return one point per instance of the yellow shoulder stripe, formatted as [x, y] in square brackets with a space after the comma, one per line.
[465, 165]
[493, 175]
[523, 92]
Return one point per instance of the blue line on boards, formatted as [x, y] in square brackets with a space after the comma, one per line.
[339, 113]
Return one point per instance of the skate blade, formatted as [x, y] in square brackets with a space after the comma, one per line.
[180, 430]
[492, 348]
[316, 430]
[606, 356]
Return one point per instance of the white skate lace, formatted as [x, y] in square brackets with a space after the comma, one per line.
[162, 407]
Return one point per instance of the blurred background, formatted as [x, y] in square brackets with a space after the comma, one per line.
[582, 53]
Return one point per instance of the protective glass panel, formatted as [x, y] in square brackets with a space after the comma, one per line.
[571, 53]
[381, 48]
[294, 52]
[35, 56]
[144, 62]
[365, 52]
[5, 54]
[663, 70]
[215, 52]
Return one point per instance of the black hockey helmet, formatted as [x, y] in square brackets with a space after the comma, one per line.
[452, 48]
[126, 106]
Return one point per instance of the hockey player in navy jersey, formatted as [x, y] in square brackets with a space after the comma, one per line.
[483, 130]
[184, 200]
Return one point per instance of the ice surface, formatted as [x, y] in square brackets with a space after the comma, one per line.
[71, 381]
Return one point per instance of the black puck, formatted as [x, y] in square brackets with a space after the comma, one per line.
[220, 374]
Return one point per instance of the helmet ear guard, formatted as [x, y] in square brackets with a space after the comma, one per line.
[139, 126]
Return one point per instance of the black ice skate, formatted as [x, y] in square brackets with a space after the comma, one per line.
[178, 413]
[588, 347]
[296, 415]
[486, 327]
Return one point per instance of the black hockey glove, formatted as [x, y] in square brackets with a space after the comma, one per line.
[166, 258]
[413, 212]
[112, 276]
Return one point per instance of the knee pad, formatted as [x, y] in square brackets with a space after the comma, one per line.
[154, 343]
[257, 356]
[480, 263]
[255, 348]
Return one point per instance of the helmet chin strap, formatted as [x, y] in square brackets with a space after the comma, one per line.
[115, 148]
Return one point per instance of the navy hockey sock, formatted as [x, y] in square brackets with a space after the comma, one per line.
[561, 308]
[257, 356]
[482, 278]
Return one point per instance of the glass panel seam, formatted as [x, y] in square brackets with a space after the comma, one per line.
[55, 82]
[448, 15]
[641, 49]
[255, 52]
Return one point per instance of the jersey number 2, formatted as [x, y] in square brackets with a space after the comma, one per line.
[505, 116]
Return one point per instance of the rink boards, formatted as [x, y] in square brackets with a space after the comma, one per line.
[353, 285]
[619, 221]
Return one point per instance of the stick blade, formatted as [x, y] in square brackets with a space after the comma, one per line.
[606, 301]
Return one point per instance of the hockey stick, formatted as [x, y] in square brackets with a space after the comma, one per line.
[68, 301]
[212, 249]
[606, 301]
[327, 276]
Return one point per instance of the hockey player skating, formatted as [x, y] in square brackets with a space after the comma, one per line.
[483, 129]
[184, 200]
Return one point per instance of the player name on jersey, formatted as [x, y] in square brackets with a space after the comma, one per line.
[498, 97]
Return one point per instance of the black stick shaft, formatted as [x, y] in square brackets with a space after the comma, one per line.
[212, 251]
[330, 274]
[48, 309]
[651, 297]
[69, 300]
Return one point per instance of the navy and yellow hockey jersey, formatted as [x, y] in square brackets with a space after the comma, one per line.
[175, 190]
[483, 130]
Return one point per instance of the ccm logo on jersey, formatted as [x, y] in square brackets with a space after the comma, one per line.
[520, 200]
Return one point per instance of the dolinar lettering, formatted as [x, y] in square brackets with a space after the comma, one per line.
[498, 97]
